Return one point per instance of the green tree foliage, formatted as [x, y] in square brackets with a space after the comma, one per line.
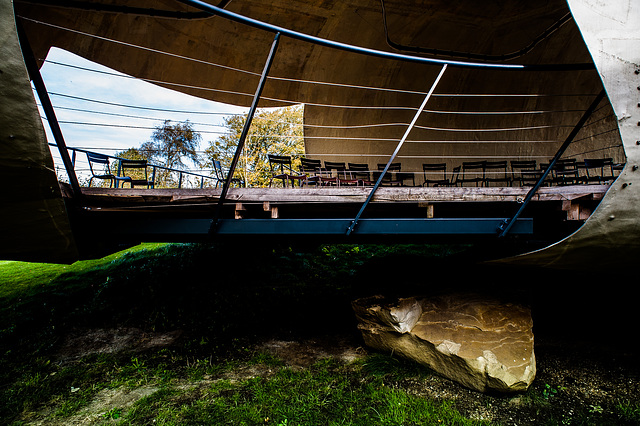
[169, 146]
[173, 142]
[133, 154]
[273, 131]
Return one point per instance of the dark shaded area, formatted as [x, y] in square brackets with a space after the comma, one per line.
[230, 291]
[223, 297]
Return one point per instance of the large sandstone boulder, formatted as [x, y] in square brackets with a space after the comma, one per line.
[481, 343]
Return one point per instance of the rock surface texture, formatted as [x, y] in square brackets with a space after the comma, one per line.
[481, 343]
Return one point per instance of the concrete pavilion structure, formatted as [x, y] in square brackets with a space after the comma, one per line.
[519, 76]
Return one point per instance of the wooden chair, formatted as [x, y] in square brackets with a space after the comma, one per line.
[598, 170]
[429, 169]
[565, 172]
[135, 173]
[96, 161]
[221, 178]
[496, 172]
[342, 176]
[525, 172]
[281, 168]
[361, 172]
[394, 175]
[472, 172]
[312, 170]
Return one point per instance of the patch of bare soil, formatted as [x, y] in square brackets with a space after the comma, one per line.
[83, 342]
[302, 354]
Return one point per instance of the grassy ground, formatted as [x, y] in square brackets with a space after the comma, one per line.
[180, 334]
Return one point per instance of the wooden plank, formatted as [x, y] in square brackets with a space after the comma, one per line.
[351, 194]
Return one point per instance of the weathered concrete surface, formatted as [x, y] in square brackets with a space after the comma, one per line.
[481, 343]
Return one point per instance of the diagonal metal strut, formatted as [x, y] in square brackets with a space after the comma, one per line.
[47, 106]
[245, 132]
[354, 222]
[506, 225]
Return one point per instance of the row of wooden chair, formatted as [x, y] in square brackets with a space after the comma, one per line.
[332, 173]
[478, 173]
[133, 172]
[523, 172]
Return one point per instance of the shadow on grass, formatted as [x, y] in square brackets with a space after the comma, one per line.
[222, 297]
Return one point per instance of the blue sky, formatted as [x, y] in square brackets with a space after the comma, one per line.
[119, 89]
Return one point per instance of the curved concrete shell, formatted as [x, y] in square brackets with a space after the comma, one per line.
[357, 106]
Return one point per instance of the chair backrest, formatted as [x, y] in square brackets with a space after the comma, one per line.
[332, 165]
[564, 168]
[279, 162]
[473, 165]
[525, 171]
[360, 171]
[217, 169]
[593, 163]
[523, 165]
[566, 164]
[94, 158]
[475, 168]
[496, 167]
[309, 165]
[358, 167]
[603, 168]
[393, 167]
[133, 164]
[434, 167]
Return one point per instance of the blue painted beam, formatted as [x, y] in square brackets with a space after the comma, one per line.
[185, 228]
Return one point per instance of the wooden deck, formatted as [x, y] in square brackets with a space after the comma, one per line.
[576, 200]
[342, 195]
[395, 214]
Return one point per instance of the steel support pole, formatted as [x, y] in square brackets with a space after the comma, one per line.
[41, 89]
[245, 132]
[506, 225]
[354, 222]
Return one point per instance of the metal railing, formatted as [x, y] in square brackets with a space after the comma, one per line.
[154, 167]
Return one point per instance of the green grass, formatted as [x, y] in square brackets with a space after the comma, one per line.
[224, 299]
[328, 393]
[19, 279]
[161, 287]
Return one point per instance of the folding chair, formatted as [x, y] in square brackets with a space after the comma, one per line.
[496, 172]
[430, 169]
[96, 160]
[134, 173]
[281, 169]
